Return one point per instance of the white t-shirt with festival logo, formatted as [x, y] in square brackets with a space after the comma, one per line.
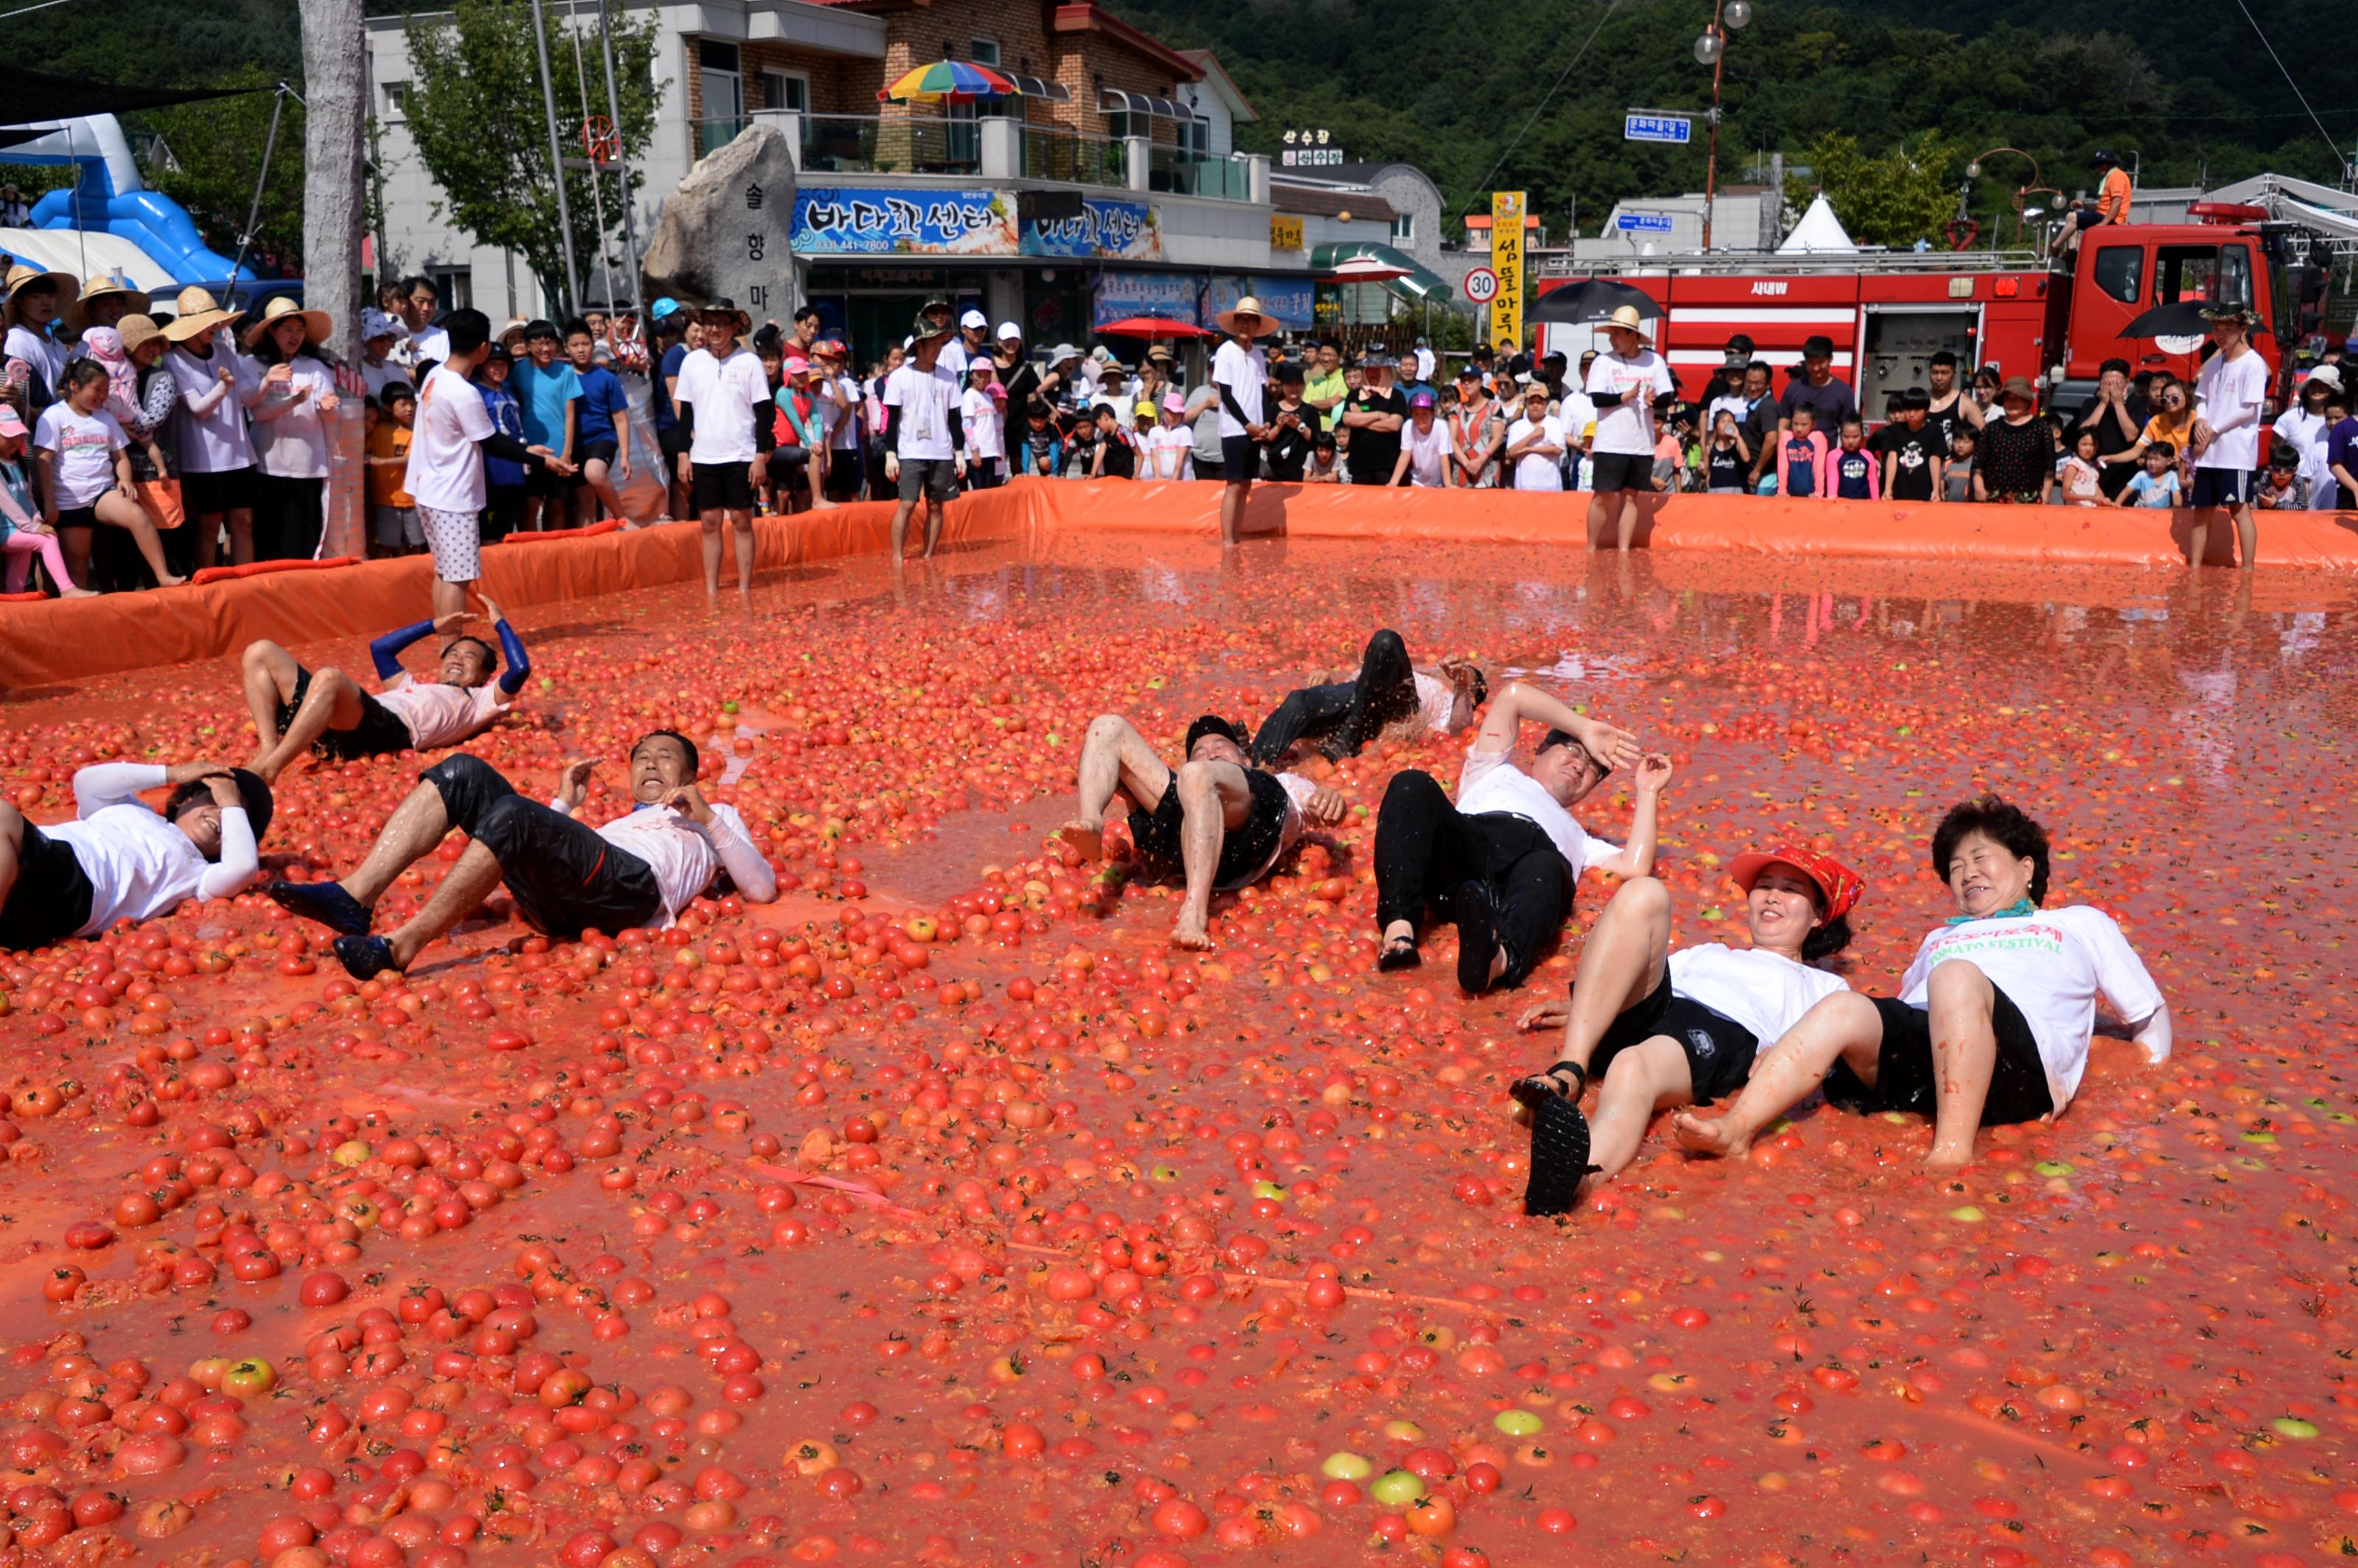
[1765, 992]
[1489, 783]
[2052, 965]
[84, 446]
[922, 400]
[439, 715]
[1627, 428]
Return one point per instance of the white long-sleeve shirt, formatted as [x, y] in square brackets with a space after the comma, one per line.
[686, 855]
[139, 865]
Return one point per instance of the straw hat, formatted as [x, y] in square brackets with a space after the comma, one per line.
[194, 311]
[135, 329]
[113, 282]
[63, 283]
[316, 324]
[1625, 318]
[1247, 308]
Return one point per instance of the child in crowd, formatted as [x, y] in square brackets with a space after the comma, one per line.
[1670, 451]
[1325, 461]
[1909, 452]
[1957, 473]
[504, 478]
[1170, 448]
[390, 506]
[2172, 423]
[1116, 455]
[604, 427]
[2286, 488]
[2156, 485]
[1801, 455]
[548, 391]
[1729, 460]
[1852, 474]
[1041, 453]
[986, 436]
[2080, 472]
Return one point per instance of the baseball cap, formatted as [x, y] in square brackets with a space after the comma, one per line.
[1840, 886]
[1175, 402]
[974, 318]
[1213, 724]
[667, 307]
[795, 365]
[1007, 331]
[1145, 409]
[11, 422]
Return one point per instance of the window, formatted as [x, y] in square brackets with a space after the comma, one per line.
[1403, 228]
[454, 288]
[1119, 123]
[724, 89]
[984, 51]
[2204, 272]
[1195, 138]
[785, 90]
[396, 100]
[2120, 272]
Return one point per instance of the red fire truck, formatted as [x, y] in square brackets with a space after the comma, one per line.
[1888, 312]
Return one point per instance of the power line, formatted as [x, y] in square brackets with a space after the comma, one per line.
[1532, 119]
[2297, 92]
[28, 10]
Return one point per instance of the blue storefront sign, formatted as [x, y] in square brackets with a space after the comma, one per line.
[1105, 231]
[1121, 295]
[840, 220]
[1291, 302]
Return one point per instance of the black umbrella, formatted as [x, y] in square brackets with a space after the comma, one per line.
[2179, 319]
[1585, 303]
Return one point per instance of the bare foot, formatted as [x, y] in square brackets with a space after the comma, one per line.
[71, 591]
[1545, 1015]
[1715, 1136]
[1192, 932]
[1941, 1159]
[827, 506]
[1086, 837]
[170, 581]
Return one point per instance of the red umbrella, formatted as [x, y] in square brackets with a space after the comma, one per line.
[1151, 327]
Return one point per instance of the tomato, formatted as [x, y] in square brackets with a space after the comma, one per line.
[249, 1378]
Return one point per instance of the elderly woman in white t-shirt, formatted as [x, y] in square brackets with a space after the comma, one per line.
[1656, 1029]
[1993, 1017]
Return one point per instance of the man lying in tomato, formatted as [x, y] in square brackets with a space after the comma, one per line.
[640, 870]
[1993, 1019]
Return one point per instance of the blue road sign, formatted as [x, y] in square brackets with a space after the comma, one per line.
[1675, 129]
[1644, 222]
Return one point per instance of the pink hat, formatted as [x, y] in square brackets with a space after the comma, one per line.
[11, 422]
[796, 366]
[1173, 403]
[999, 391]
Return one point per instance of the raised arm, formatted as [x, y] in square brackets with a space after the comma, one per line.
[103, 784]
[1635, 858]
[241, 857]
[1520, 700]
[519, 663]
[756, 880]
[385, 651]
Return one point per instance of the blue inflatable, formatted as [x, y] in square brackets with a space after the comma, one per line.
[109, 197]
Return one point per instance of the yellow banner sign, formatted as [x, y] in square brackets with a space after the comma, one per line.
[1285, 233]
[1506, 261]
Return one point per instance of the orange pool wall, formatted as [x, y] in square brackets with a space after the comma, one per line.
[62, 640]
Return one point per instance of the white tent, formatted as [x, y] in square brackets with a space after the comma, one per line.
[1819, 232]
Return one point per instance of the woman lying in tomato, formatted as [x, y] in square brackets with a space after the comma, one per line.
[1993, 1019]
[1656, 1028]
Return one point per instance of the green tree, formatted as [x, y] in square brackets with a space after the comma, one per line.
[475, 114]
[1895, 199]
[211, 157]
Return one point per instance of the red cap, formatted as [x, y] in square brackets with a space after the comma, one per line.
[1841, 886]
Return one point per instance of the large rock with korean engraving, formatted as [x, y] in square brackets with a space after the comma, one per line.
[723, 230]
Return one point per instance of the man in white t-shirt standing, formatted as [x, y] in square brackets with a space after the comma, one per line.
[328, 713]
[722, 400]
[638, 871]
[2232, 391]
[1502, 859]
[1239, 378]
[1623, 383]
[926, 446]
[454, 433]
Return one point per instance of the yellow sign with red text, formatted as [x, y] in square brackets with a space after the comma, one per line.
[1506, 261]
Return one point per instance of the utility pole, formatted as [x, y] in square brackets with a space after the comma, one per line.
[335, 52]
[555, 159]
[623, 169]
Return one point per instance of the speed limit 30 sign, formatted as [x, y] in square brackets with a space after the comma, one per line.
[1481, 286]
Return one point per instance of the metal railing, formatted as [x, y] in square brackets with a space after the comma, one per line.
[1073, 158]
[712, 136]
[1197, 174]
[868, 144]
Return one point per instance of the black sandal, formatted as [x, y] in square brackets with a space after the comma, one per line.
[1399, 953]
[1550, 1085]
[1559, 1156]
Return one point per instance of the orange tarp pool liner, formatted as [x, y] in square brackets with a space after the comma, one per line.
[69, 639]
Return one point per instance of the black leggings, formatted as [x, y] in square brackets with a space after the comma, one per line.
[1345, 715]
[1426, 849]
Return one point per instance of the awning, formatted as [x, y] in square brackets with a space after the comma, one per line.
[1037, 87]
[1418, 285]
[1114, 101]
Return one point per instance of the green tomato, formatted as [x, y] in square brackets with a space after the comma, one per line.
[1164, 1174]
[2293, 1426]
[1968, 1215]
[2054, 1167]
[1269, 1190]
[1396, 1489]
[1402, 1430]
[1519, 1423]
[1345, 1466]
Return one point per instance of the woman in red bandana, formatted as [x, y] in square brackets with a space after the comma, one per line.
[1655, 1029]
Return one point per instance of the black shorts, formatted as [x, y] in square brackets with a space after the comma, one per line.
[600, 451]
[213, 494]
[935, 479]
[379, 733]
[1610, 471]
[2219, 487]
[1245, 851]
[724, 487]
[1239, 457]
[565, 879]
[548, 485]
[76, 517]
[51, 897]
[1719, 1050]
[1903, 1071]
[843, 473]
